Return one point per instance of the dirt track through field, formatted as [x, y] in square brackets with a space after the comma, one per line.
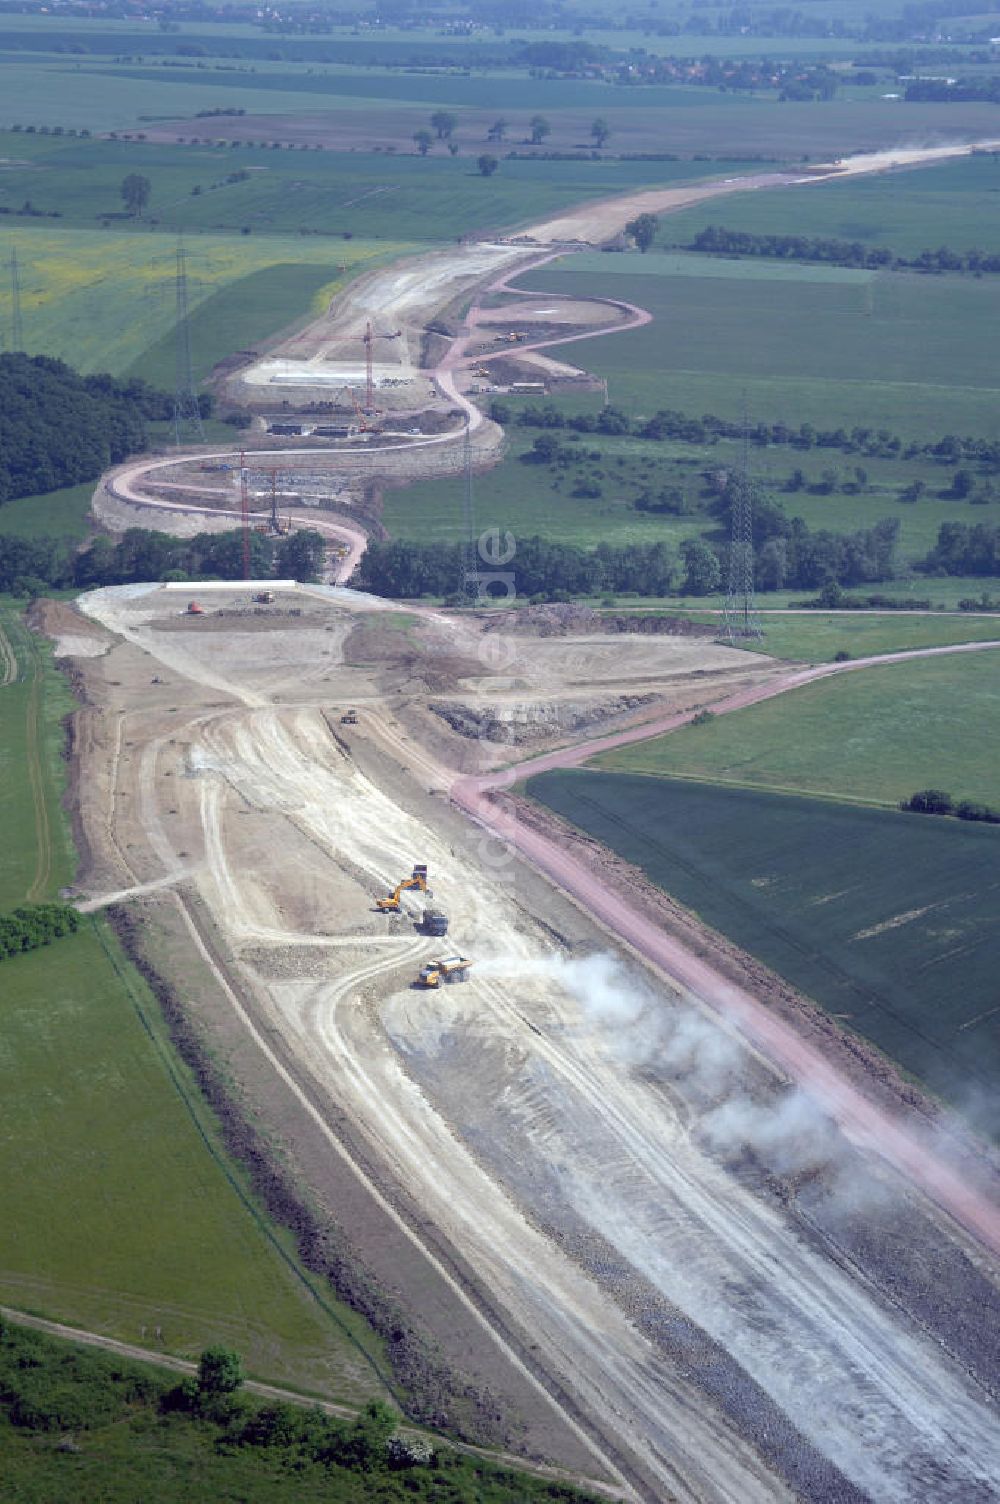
[135, 1353]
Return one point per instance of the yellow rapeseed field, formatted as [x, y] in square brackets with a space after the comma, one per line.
[98, 299]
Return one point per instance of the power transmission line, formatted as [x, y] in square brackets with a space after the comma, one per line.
[187, 413]
[742, 618]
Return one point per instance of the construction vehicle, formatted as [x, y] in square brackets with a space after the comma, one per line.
[194, 609]
[418, 880]
[364, 426]
[434, 922]
[349, 718]
[447, 969]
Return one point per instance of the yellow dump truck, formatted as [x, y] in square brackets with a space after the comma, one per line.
[447, 969]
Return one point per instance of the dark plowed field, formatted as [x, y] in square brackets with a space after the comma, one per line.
[889, 921]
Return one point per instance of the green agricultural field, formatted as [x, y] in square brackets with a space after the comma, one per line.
[100, 299]
[627, 466]
[873, 734]
[911, 354]
[36, 857]
[943, 593]
[817, 637]
[57, 514]
[129, 1216]
[361, 193]
[386, 103]
[530, 499]
[956, 204]
[887, 920]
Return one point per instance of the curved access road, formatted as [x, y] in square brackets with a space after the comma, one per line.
[866, 1124]
[126, 485]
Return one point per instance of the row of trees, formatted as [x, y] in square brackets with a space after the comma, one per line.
[30, 566]
[788, 555]
[670, 425]
[961, 91]
[444, 125]
[542, 569]
[718, 240]
[938, 802]
[35, 925]
[58, 428]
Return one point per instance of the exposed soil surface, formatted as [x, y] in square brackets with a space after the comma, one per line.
[538, 1162]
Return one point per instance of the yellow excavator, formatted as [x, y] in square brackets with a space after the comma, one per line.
[418, 880]
[447, 969]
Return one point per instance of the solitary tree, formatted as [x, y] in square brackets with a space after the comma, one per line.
[600, 131]
[643, 230]
[424, 141]
[220, 1371]
[444, 122]
[135, 193]
[540, 128]
[497, 130]
[487, 165]
[702, 573]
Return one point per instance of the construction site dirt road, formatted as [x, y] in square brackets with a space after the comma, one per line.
[660, 1258]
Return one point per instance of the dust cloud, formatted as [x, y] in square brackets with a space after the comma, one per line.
[671, 1039]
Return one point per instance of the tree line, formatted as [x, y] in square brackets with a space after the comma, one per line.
[720, 241]
[31, 566]
[938, 802]
[58, 428]
[669, 425]
[34, 925]
[961, 91]
[787, 555]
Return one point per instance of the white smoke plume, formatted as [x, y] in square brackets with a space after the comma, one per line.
[789, 1134]
[644, 1028]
